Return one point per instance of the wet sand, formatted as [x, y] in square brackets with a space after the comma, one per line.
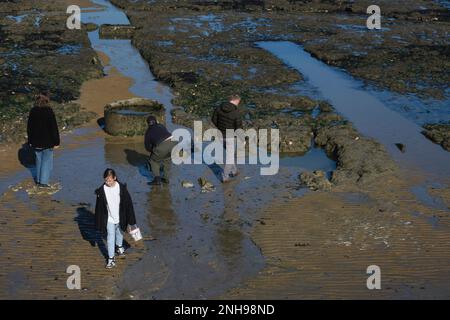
[319, 246]
[97, 93]
[40, 236]
[315, 246]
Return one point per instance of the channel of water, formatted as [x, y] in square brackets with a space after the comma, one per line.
[203, 248]
[368, 113]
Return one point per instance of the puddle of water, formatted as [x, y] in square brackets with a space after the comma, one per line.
[368, 113]
[110, 15]
[37, 21]
[253, 70]
[131, 113]
[214, 23]
[165, 43]
[203, 252]
[358, 28]
[166, 216]
[69, 49]
[410, 106]
[315, 113]
[19, 18]
[444, 3]
[432, 220]
[427, 200]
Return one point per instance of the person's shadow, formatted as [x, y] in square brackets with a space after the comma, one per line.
[216, 170]
[27, 158]
[140, 161]
[86, 224]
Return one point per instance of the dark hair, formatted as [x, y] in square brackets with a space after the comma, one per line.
[109, 172]
[42, 100]
[151, 120]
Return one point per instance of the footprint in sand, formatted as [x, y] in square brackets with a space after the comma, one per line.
[35, 190]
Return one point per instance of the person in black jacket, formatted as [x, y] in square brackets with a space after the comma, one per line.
[158, 143]
[228, 116]
[114, 211]
[43, 136]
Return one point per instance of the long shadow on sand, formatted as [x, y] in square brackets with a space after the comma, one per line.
[86, 224]
[216, 170]
[140, 161]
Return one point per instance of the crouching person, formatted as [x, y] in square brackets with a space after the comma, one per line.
[158, 142]
[113, 213]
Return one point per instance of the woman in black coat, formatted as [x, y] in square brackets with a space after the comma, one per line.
[114, 211]
[43, 137]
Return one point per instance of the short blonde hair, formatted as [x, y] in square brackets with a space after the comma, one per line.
[235, 97]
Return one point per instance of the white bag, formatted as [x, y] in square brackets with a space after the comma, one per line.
[135, 232]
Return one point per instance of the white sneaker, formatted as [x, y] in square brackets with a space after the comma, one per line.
[111, 263]
[120, 252]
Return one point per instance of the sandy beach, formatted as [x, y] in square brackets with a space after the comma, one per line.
[365, 201]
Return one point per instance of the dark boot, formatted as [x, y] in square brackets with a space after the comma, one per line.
[156, 182]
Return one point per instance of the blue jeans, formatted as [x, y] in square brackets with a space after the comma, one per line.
[230, 163]
[44, 165]
[114, 237]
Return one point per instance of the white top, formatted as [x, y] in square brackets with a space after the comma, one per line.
[113, 200]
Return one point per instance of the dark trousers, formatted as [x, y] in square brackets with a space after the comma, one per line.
[160, 157]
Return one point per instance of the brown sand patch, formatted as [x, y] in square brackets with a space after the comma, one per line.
[442, 193]
[9, 159]
[319, 246]
[97, 93]
[41, 238]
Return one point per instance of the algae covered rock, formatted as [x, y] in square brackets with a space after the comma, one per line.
[109, 31]
[129, 117]
[316, 180]
[438, 133]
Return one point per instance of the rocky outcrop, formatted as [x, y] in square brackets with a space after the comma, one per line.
[438, 133]
[129, 117]
[38, 54]
[359, 159]
[315, 181]
[109, 31]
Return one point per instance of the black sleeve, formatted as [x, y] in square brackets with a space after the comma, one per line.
[238, 121]
[54, 129]
[30, 126]
[214, 117]
[147, 142]
[98, 213]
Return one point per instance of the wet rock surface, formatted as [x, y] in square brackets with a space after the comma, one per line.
[316, 180]
[38, 53]
[328, 228]
[129, 117]
[438, 133]
[206, 51]
[108, 31]
[411, 48]
[359, 159]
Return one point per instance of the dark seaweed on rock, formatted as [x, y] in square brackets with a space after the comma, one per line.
[438, 133]
[212, 54]
[40, 57]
